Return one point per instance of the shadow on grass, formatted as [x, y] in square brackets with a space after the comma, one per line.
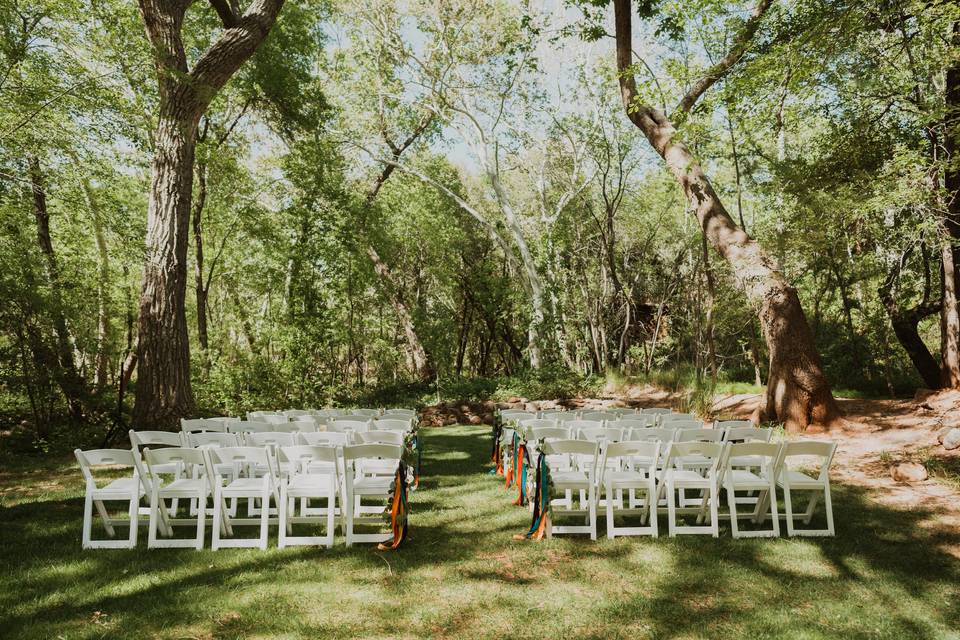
[884, 575]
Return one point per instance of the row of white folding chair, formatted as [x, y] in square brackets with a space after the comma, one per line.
[197, 475]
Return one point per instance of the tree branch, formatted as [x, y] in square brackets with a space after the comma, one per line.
[226, 12]
[741, 43]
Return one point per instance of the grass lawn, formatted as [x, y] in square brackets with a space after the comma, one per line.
[460, 574]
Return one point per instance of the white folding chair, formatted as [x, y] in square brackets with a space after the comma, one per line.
[630, 467]
[656, 412]
[207, 440]
[636, 422]
[361, 485]
[325, 414]
[188, 482]
[528, 424]
[684, 425]
[250, 487]
[580, 478]
[727, 425]
[516, 415]
[694, 462]
[565, 416]
[324, 438]
[296, 425]
[202, 424]
[601, 434]
[295, 413]
[316, 477]
[675, 479]
[764, 480]
[792, 479]
[624, 412]
[128, 489]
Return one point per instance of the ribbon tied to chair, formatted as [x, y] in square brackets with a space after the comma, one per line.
[397, 510]
[541, 502]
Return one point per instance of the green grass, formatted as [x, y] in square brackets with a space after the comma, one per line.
[460, 574]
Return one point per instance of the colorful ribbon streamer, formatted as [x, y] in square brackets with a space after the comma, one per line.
[398, 510]
[541, 504]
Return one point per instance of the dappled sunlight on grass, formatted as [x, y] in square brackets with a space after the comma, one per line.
[461, 575]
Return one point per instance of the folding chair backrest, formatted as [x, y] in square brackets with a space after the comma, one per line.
[673, 417]
[506, 436]
[747, 434]
[324, 438]
[212, 440]
[537, 423]
[516, 416]
[597, 416]
[685, 424]
[806, 449]
[103, 458]
[295, 413]
[241, 455]
[698, 435]
[552, 433]
[295, 427]
[711, 450]
[260, 415]
[328, 413]
[655, 411]
[400, 413]
[656, 434]
[623, 411]
[392, 424]
[202, 424]
[352, 423]
[582, 452]
[565, 416]
[304, 455]
[274, 418]
[269, 438]
[604, 434]
[250, 426]
[380, 437]
[140, 439]
[365, 413]
[225, 420]
[381, 451]
[734, 424]
[549, 413]
[636, 422]
[576, 426]
[616, 453]
[183, 455]
[768, 451]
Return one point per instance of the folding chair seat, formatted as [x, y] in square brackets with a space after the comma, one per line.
[202, 424]
[188, 483]
[316, 476]
[792, 479]
[127, 489]
[630, 467]
[580, 478]
[675, 479]
[250, 486]
[763, 480]
[399, 425]
[360, 486]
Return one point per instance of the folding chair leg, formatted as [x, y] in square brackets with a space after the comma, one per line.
[828, 505]
[265, 518]
[201, 519]
[714, 509]
[105, 517]
[732, 503]
[808, 515]
[652, 500]
[788, 507]
[154, 516]
[134, 511]
[671, 510]
[287, 503]
[609, 508]
[87, 520]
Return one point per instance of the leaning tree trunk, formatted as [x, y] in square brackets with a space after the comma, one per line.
[798, 393]
[201, 289]
[164, 393]
[104, 328]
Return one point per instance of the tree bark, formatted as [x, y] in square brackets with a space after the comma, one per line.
[104, 328]
[163, 392]
[950, 251]
[798, 393]
[200, 286]
[66, 374]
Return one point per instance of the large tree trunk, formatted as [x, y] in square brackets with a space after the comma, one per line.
[164, 393]
[950, 252]
[797, 390]
[66, 374]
